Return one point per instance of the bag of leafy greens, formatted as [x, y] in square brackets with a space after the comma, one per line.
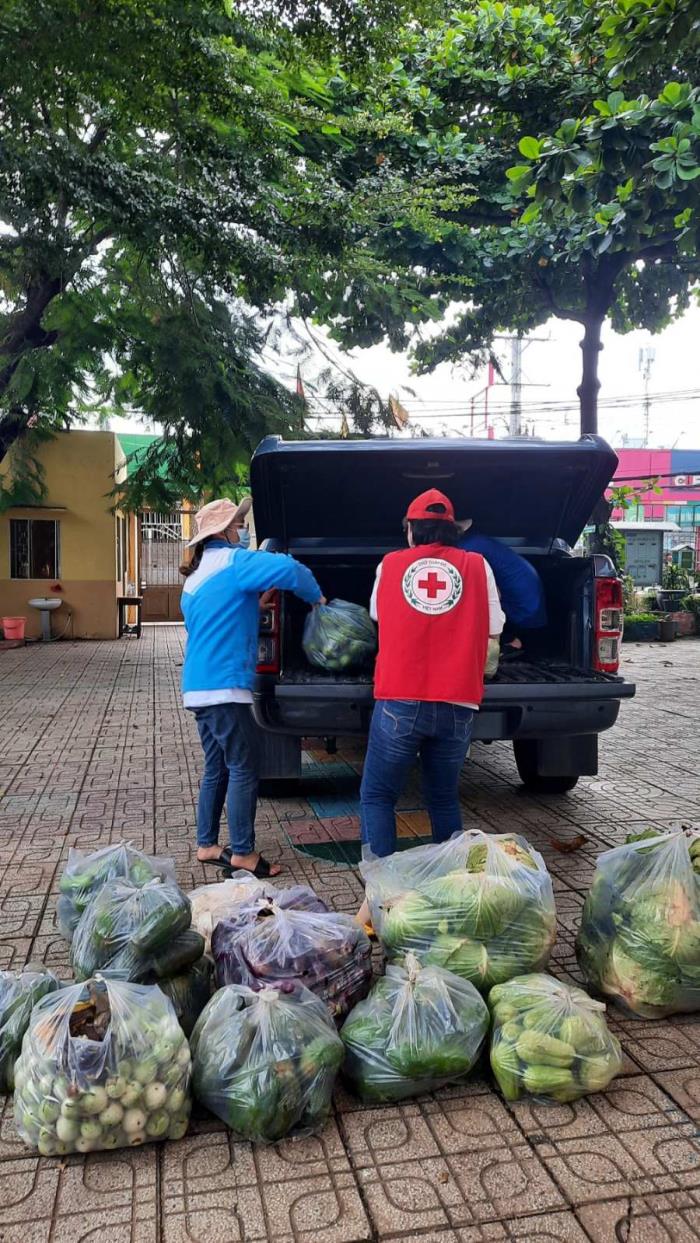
[265, 1062]
[549, 1040]
[104, 1065]
[294, 938]
[85, 874]
[129, 931]
[19, 993]
[419, 1028]
[480, 905]
[339, 636]
[639, 940]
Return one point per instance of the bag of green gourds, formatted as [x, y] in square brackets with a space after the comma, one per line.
[550, 1040]
[131, 931]
[85, 874]
[104, 1065]
[419, 1029]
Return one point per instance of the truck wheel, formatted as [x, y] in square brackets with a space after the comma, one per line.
[525, 752]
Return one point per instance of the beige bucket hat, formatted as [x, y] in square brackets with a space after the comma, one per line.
[216, 516]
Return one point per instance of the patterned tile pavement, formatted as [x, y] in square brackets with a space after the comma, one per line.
[95, 747]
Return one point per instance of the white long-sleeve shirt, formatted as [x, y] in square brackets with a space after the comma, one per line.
[496, 615]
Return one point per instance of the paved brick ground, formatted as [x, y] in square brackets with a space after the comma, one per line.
[95, 747]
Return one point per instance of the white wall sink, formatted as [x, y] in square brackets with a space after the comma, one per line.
[45, 602]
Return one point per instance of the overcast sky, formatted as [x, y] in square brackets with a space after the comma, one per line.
[551, 372]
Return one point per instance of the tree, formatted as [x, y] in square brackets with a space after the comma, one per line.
[503, 103]
[154, 212]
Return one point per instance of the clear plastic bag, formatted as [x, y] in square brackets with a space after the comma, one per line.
[550, 1041]
[210, 903]
[104, 1065]
[295, 938]
[265, 1062]
[19, 993]
[129, 931]
[339, 636]
[480, 905]
[419, 1028]
[639, 940]
[85, 874]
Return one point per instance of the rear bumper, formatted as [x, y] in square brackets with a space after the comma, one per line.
[507, 712]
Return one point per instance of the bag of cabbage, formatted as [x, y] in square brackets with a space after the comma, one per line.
[480, 905]
[639, 940]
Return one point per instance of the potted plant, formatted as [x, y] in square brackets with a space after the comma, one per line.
[668, 628]
[688, 615]
[675, 585]
[640, 628]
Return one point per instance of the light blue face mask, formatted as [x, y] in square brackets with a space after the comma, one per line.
[244, 537]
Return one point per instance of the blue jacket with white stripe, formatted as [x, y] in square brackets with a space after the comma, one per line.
[220, 607]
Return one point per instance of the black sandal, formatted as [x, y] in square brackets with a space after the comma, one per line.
[261, 871]
[221, 861]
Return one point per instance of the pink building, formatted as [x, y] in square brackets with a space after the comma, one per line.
[677, 472]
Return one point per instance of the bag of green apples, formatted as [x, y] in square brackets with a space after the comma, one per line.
[104, 1065]
[419, 1029]
[639, 940]
[480, 905]
[549, 1040]
[265, 1061]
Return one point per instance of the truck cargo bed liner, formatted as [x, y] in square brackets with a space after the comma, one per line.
[512, 671]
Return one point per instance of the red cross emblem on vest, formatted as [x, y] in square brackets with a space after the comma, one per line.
[432, 585]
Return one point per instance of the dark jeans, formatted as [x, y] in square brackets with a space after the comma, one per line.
[230, 745]
[400, 731]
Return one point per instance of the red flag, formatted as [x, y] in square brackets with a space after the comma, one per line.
[300, 386]
[492, 375]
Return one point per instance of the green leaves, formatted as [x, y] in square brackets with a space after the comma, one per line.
[529, 147]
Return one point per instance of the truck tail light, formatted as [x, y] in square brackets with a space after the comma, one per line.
[608, 623]
[269, 636]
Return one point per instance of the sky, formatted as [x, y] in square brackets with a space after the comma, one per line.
[441, 402]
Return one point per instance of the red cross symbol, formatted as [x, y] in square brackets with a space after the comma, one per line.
[432, 585]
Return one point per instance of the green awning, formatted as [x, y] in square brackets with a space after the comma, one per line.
[134, 447]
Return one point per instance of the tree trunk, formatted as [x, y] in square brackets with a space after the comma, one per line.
[13, 425]
[590, 384]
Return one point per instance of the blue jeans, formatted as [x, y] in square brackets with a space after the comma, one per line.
[230, 745]
[400, 731]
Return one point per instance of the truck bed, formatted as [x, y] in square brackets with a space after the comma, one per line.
[512, 671]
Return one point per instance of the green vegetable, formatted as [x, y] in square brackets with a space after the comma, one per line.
[339, 635]
[131, 932]
[265, 1062]
[557, 1046]
[72, 1094]
[419, 1028]
[19, 993]
[639, 940]
[480, 905]
[85, 875]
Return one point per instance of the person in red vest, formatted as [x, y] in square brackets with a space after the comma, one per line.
[437, 606]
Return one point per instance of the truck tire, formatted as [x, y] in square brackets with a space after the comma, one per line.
[525, 751]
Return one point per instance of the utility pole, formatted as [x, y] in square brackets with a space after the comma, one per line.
[516, 384]
[647, 354]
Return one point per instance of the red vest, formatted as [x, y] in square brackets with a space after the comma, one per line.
[433, 612]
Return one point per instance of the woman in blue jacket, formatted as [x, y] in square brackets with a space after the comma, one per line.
[220, 605]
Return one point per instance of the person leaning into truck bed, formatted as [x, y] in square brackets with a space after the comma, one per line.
[436, 606]
[220, 605]
[519, 585]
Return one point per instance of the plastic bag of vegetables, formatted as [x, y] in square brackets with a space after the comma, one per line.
[85, 874]
[104, 1065]
[639, 940]
[419, 1028]
[265, 1062]
[480, 905]
[549, 1040]
[295, 938]
[19, 993]
[210, 903]
[130, 932]
[339, 636]
[189, 992]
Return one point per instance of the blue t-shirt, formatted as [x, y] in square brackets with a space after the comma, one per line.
[520, 586]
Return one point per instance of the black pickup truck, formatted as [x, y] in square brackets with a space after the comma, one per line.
[338, 506]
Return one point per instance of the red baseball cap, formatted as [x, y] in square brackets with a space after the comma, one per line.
[419, 508]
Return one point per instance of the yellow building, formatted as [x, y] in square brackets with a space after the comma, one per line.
[71, 546]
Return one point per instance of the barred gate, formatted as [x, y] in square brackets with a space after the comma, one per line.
[163, 538]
